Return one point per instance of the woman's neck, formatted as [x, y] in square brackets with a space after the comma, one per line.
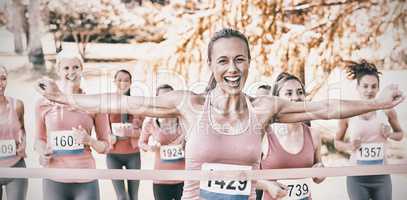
[69, 87]
[226, 103]
[121, 92]
[294, 128]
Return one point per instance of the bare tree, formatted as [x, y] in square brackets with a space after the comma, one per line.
[36, 30]
[17, 23]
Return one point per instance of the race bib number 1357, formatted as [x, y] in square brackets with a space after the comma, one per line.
[370, 154]
[221, 189]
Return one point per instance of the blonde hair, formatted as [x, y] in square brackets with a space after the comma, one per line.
[68, 55]
[2, 68]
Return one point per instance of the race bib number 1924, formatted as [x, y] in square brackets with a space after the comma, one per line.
[172, 152]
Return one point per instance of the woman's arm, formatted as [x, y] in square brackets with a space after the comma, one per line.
[21, 143]
[316, 138]
[288, 111]
[162, 106]
[273, 188]
[40, 146]
[340, 144]
[146, 133]
[397, 133]
[102, 129]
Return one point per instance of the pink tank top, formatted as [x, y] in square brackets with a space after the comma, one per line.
[151, 128]
[11, 129]
[127, 145]
[56, 117]
[368, 131]
[206, 145]
[278, 158]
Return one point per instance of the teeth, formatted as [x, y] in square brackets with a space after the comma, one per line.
[232, 78]
[71, 77]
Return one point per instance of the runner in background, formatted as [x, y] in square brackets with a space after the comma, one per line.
[64, 139]
[263, 90]
[167, 142]
[368, 134]
[12, 141]
[224, 125]
[124, 152]
[294, 145]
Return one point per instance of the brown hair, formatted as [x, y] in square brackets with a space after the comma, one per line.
[224, 33]
[162, 87]
[4, 69]
[266, 87]
[356, 71]
[281, 79]
[124, 117]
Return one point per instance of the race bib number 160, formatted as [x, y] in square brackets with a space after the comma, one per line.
[220, 189]
[64, 142]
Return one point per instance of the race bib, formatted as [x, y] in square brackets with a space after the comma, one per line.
[219, 189]
[297, 189]
[118, 129]
[7, 149]
[172, 152]
[64, 142]
[370, 154]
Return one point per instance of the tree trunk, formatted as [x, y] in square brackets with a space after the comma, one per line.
[36, 31]
[17, 23]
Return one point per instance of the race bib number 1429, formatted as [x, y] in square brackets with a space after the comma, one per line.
[221, 189]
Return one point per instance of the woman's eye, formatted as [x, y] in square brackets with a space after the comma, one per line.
[288, 94]
[76, 67]
[222, 61]
[66, 68]
[240, 60]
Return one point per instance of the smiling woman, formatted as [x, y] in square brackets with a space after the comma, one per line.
[210, 145]
[64, 139]
[12, 140]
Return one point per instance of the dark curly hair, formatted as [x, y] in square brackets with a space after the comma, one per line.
[356, 71]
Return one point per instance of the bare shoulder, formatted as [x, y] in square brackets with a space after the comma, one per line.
[188, 101]
[264, 103]
[19, 106]
[315, 134]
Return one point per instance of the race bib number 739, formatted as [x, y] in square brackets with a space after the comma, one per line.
[297, 189]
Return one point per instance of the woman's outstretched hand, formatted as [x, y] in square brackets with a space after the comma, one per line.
[49, 89]
[390, 96]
